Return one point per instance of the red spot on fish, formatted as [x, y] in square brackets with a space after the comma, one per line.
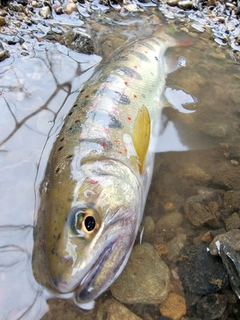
[125, 150]
[129, 118]
[116, 141]
[117, 67]
[135, 67]
[92, 181]
[135, 96]
[120, 152]
[146, 51]
[103, 144]
[126, 83]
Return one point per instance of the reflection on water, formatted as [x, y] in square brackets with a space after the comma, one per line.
[36, 94]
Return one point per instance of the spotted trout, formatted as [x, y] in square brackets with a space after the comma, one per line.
[100, 169]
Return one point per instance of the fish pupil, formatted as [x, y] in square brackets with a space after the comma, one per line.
[90, 223]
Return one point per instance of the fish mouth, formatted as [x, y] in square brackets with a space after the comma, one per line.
[86, 291]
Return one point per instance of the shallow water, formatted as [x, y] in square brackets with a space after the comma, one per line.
[37, 92]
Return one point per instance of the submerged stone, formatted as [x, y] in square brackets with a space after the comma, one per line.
[114, 310]
[211, 306]
[174, 307]
[200, 272]
[145, 279]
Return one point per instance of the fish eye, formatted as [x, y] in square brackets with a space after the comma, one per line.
[87, 222]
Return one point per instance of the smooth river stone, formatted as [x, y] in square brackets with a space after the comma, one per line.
[145, 279]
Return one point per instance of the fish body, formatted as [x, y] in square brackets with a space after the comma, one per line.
[100, 170]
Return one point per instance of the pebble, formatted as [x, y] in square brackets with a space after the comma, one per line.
[114, 310]
[232, 201]
[215, 130]
[145, 279]
[169, 222]
[231, 238]
[175, 246]
[195, 173]
[232, 222]
[45, 12]
[3, 53]
[174, 307]
[70, 6]
[2, 21]
[198, 213]
[228, 176]
[211, 306]
[200, 272]
[149, 228]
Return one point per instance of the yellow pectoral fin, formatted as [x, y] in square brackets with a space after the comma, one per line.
[141, 135]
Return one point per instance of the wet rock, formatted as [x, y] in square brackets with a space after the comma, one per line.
[215, 130]
[174, 307]
[45, 12]
[145, 279]
[211, 306]
[175, 246]
[193, 173]
[231, 238]
[3, 53]
[232, 201]
[169, 223]
[200, 213]
[2, 21]
[232, 222]
[70, 6]
[149, 228]
[185, 4]
[113, 310]
[200, 272]
[227, 176]
[78, 41]
[172, 2]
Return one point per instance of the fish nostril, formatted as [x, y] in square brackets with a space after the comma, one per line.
[65, 259]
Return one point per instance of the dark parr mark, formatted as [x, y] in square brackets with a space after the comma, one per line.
[114, 122]
[154, 41]
[147, 45]
[120, 97]
[115, 95]
[140, 55]
[129, 72]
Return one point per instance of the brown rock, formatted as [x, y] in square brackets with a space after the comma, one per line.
[114, 310]
[232, 222]
[2, 21]
[145, 279]
[174, 307]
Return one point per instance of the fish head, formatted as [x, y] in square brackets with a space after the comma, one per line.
[97, 237]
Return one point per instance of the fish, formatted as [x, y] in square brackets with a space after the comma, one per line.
[100, 169]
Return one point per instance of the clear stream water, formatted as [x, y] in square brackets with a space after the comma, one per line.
[36, 93]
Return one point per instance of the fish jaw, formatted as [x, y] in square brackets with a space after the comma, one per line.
[89, 266]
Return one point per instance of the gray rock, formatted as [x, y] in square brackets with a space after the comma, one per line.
[211, 306]
[200, 272]
[145, 279]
